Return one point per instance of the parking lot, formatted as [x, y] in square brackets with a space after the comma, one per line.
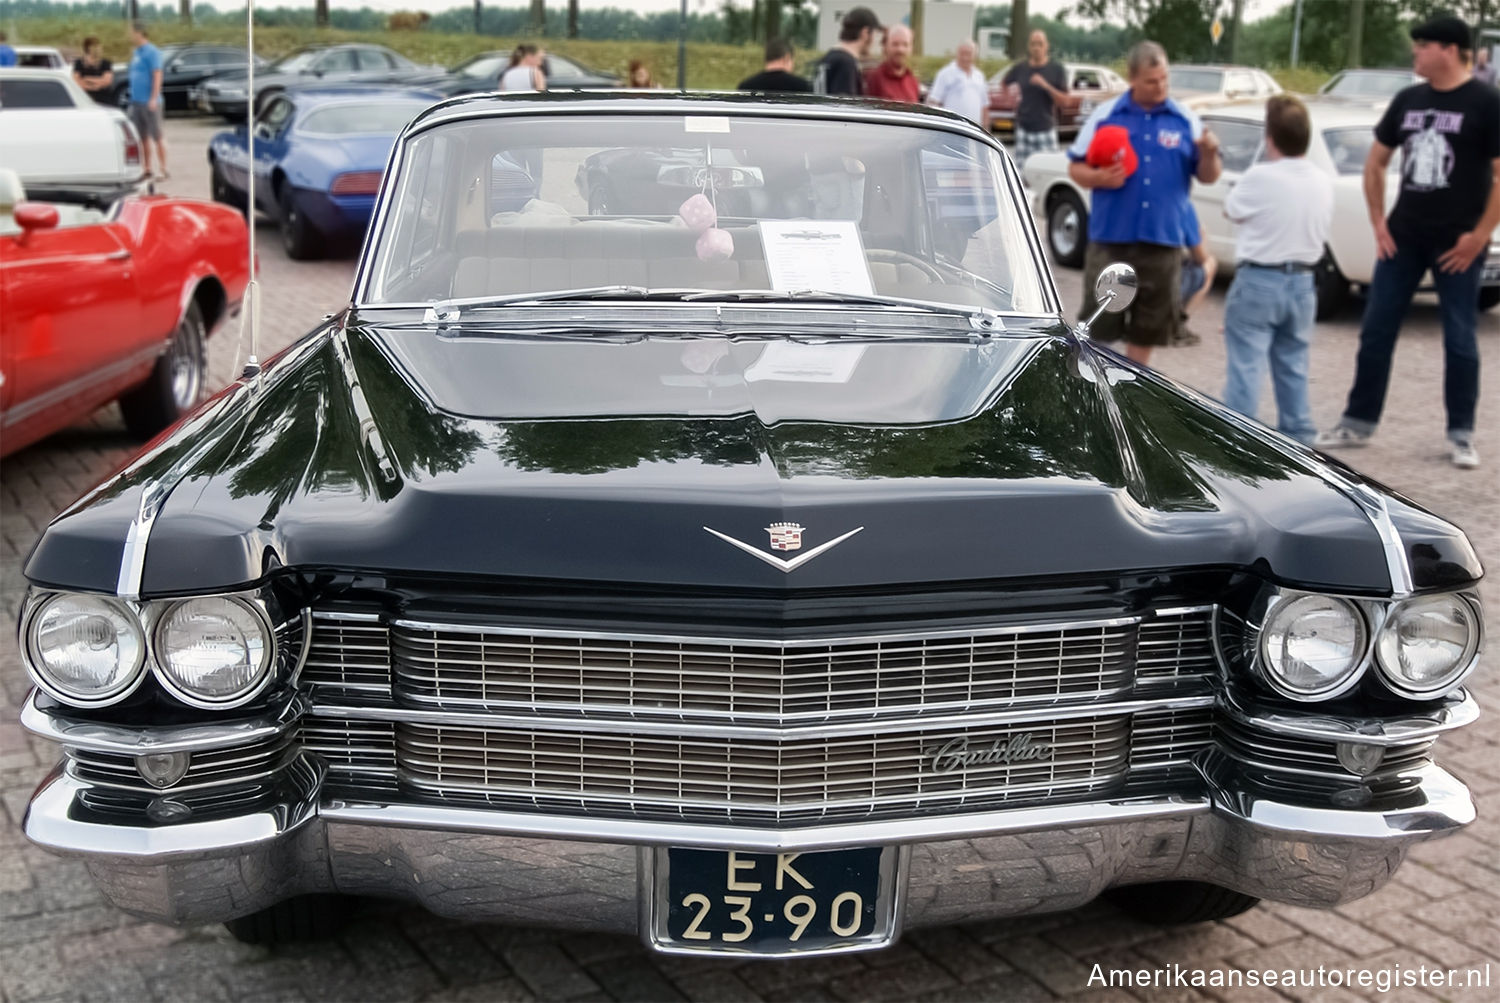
[59, 940]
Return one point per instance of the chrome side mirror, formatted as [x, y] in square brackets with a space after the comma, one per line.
[1114, 290]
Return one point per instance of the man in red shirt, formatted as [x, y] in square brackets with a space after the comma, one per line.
[893, 79]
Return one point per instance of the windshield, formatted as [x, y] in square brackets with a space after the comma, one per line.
[503, 207]
[296, 62]
[1196, 80]
[387, 118]
[1375, 85]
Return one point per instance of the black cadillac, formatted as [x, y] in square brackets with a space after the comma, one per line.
[756, 561]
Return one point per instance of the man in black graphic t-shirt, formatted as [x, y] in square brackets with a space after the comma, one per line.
[1448, 131]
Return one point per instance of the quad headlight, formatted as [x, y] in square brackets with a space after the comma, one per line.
[214, 651]
[1312, 646]
[1428, 644]
[84, 650]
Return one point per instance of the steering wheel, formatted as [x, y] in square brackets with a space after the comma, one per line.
[890, 256]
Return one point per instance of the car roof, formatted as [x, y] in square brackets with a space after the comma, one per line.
[36, 48]
[615, 100]
[1324, 114]
[321, 94]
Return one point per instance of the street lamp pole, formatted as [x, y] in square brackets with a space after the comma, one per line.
[1296, 33]
[682, 48]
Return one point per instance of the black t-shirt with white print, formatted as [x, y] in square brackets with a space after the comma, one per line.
[1448, 140]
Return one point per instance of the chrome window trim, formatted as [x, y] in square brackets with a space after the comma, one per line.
[680, 729]
[653, 880]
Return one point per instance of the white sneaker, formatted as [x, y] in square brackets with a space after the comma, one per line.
[1464, 455]
[1341, 437]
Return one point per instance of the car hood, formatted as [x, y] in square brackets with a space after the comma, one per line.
[668, 462]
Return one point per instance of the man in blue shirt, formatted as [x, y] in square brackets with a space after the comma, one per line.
[1140, 217]
[145, 97]
[7, 54]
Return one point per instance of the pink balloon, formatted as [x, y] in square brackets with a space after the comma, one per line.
[715, 244]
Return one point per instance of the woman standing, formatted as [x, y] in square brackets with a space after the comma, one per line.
[525, 70]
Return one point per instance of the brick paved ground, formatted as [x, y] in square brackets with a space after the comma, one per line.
[60, 941]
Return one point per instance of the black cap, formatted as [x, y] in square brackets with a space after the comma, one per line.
[1445, 29]
[860, 18]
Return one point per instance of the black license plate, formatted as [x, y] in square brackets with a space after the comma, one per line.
[774, 903]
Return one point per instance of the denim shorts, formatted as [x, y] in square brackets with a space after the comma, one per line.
[1193, 278]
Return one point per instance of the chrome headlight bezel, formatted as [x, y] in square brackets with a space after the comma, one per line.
[265, 673]
[35, 665]
[1277, 605]
[1466, 664]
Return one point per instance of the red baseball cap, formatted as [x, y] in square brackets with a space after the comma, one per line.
[1111, 145]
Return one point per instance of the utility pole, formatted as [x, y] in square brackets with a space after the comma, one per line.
[1234, 30]
[478, 16]
[1019, 18]
[1356, 33]
[682, 48]
[1296, 33]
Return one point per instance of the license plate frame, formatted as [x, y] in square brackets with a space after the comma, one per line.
[663, 923]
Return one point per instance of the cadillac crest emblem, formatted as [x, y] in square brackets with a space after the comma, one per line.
[785, 535]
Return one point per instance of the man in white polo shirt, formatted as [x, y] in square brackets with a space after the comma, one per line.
[960, 87]
[1268, 315]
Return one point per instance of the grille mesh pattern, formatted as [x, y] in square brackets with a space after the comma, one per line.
[843, 777]
[349, 655]
[243, 764]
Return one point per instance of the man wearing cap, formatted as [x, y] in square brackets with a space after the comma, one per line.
[839, 72]
[1140, 215]
[1448, 128]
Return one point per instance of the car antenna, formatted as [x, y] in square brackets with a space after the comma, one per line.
[251, 308]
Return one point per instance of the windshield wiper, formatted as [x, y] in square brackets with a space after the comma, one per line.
[989, 315]
[450, 310]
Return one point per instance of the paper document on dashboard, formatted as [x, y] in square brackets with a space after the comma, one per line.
[823, 255]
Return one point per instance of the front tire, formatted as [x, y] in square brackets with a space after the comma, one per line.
[309, 917]
[298, 238]
[1067, 229]
[1177, 903]
[1489, 297]
[176, 383]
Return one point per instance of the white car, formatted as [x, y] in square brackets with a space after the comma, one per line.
[1342, 134]
[1199, 86]
[54, 136]
[39, 57]
[1371, 87]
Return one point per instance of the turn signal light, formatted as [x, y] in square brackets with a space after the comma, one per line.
[356, 183]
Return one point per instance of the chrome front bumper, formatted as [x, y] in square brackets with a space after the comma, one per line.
[584, 873]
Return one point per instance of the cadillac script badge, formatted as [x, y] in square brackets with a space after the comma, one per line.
[1019, 749]
[785, 536]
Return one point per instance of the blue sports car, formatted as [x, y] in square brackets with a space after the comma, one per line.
[319, 155]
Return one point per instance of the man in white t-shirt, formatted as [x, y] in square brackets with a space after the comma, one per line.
[960, 87]
[1268, 315]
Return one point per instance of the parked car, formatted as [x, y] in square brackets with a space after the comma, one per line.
[319, 154]
[39, 57]
[226, 93]
[1199, 86]
[110, 304]
[1087, 87]
[58, 139]
[1342, 134]
[184, 68]
[1375, 87]
[482, 72]
[762, 585]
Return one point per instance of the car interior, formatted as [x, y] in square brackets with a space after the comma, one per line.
[549, 216]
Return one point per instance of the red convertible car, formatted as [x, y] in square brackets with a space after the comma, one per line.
[110, 303]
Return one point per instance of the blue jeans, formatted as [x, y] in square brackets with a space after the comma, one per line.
[1391, 289]
[1268, 317]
